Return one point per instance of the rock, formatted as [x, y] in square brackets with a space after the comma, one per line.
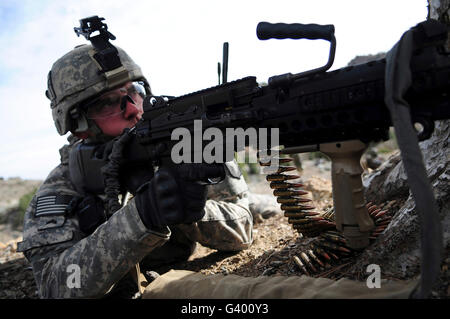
[12, 244]
[224, 270]
[397, 250]
[360, 59]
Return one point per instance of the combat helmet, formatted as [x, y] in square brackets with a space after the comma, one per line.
[81, 75]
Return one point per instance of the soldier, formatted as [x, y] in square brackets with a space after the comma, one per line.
[66, 230]
[65, 226]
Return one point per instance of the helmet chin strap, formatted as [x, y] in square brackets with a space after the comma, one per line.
[85, 125]
[97, 137]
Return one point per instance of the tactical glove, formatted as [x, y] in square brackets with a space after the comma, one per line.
[174, 195]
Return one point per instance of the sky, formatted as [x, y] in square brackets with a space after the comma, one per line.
[177, 44]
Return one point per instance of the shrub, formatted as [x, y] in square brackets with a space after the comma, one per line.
[24, 201]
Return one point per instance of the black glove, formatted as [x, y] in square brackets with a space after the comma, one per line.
[174, 196]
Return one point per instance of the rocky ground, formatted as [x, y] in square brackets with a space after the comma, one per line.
[276, 245]
[16, 277]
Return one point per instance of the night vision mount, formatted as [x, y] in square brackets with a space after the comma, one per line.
[92, 24]
[94, 30]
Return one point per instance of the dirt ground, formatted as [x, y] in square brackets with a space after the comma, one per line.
[273, 252]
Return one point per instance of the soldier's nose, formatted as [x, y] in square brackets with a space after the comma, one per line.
[130, 108]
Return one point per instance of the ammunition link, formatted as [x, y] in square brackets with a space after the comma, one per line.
[329, 245]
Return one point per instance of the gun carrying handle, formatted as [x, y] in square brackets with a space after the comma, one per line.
[352, 217]
[266, 30]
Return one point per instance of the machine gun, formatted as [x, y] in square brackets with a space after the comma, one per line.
[337, 113]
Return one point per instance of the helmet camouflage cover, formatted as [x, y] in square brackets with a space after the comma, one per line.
[77, 77]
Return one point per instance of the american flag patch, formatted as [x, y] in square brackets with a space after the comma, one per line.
[52, 205]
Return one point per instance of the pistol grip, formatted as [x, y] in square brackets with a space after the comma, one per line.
[352, 217]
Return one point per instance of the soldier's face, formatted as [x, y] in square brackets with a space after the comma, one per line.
[117, 109]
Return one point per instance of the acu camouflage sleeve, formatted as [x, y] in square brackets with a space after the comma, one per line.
[54, 243]
[227, 224]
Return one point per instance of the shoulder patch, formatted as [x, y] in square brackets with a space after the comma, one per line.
[53, 204]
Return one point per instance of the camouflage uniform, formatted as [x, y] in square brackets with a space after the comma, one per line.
[54, 237]
[52, 242]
